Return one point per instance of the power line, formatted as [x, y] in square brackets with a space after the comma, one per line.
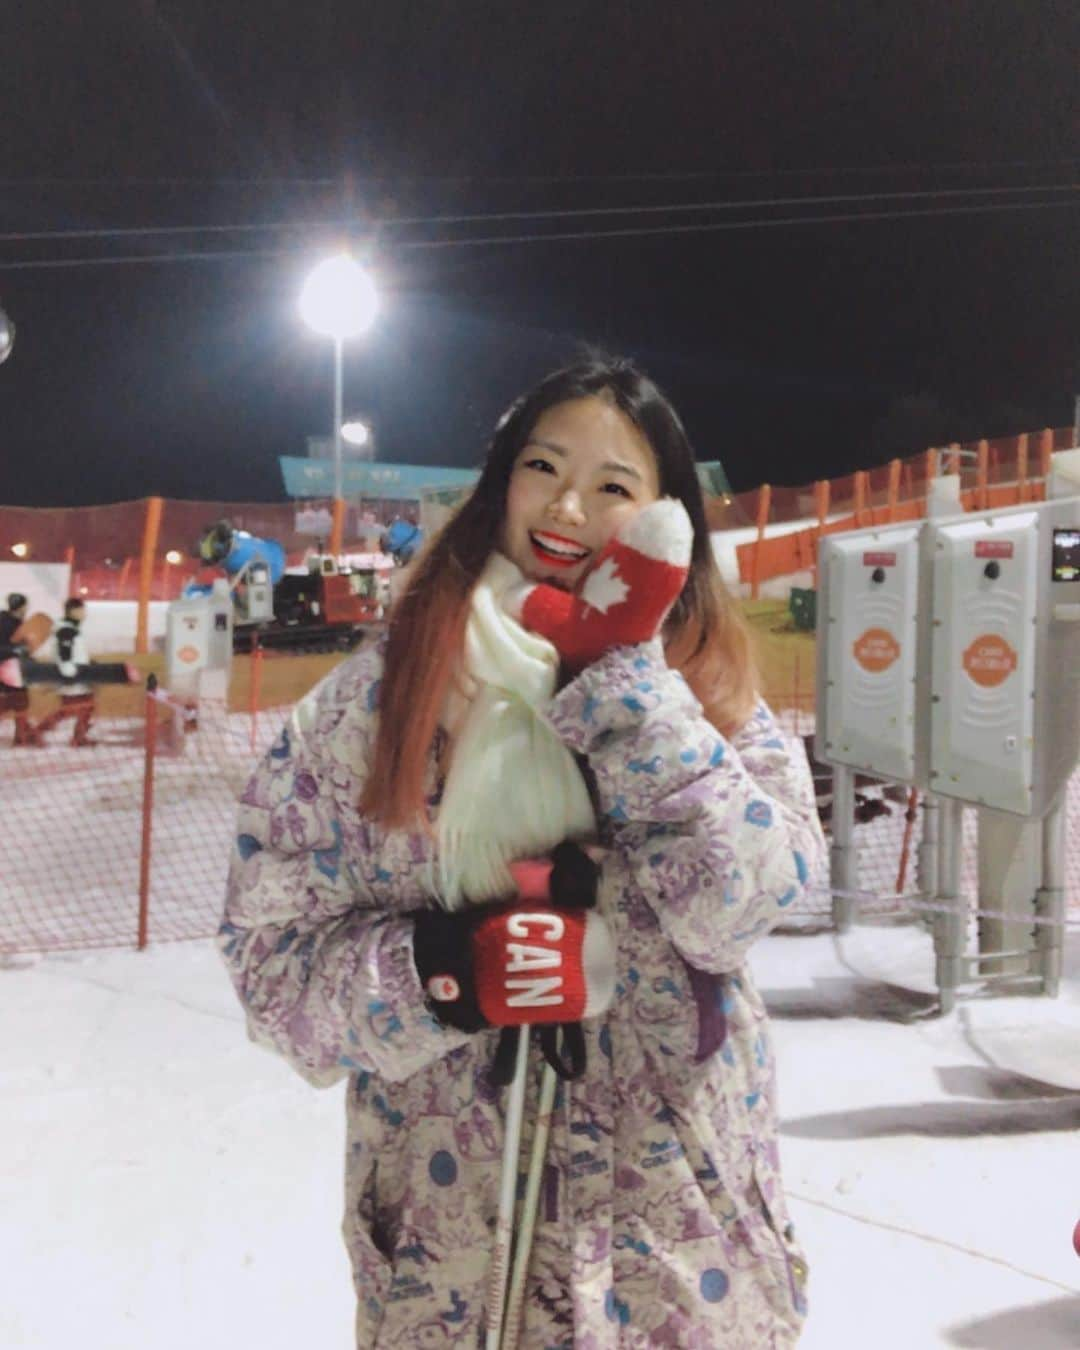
[663, 175]
[499, 217]
[207, 255]
[702, 227]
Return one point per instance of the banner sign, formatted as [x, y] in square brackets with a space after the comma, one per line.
[713, 479]
[315, 478]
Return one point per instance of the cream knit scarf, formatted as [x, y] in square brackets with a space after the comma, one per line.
[513, 790]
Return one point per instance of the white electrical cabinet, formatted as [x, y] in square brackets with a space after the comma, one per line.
[1004, 721]
[949, 659]
[198, 638]
[868, 650]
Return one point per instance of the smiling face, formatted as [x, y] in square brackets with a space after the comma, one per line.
[585, 470]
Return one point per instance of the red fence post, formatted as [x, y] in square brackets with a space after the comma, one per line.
[982, 480]
[893, 497]
[905, 848]
[764, 501]
[1046, 450]
[147, 811]
[151, 527]
[337, 526]
[860, 495]
[1021, 466]
[255, 687]
[822, 489]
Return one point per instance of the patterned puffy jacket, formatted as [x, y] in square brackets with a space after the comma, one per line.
[662, 1221]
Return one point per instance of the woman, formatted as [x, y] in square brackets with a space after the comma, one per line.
[389, 813]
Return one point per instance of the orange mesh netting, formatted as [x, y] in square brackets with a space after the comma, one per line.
[76, 840]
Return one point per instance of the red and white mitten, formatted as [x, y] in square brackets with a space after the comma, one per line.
[539, 965]
[548, 959]
[515, 966]
[626, 595]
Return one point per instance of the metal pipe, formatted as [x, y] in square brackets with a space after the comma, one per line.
[950, 925]
[1001, 955]
[1050, 900]
[929, 858]
[842, 861]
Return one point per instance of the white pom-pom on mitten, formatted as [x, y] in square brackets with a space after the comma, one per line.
[626, 596]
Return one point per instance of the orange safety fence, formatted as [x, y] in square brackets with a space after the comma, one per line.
[124, 842]
[106, 546]
[1000, 473]
[127, 842]
[147, 550]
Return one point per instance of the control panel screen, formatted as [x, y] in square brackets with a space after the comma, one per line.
[1065, 557]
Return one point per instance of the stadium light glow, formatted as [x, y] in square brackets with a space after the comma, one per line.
[338, 299]
[356, 432]
[7, 336]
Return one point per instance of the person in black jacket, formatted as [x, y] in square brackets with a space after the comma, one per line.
[11, 620]
[14, 699]
[76, 697]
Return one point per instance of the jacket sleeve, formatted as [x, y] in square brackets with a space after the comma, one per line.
[323, 967]
[722, 835]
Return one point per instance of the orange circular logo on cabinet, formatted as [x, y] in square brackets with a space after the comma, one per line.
[989, 660]
[188, 654]
[876, 649]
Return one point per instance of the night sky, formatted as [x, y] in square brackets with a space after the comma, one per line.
[793, 351]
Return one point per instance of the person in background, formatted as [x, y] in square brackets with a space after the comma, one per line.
[76, 697]
[564, 667]
[14, 699]
[11, 620]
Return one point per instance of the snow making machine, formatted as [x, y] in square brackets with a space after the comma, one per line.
[323, 607]
[949, 661]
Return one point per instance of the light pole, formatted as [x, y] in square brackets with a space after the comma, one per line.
[338, 301]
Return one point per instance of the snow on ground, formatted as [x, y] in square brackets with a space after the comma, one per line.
[110, 625]
[164, 1183]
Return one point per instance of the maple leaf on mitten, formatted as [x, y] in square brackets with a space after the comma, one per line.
[626, 596]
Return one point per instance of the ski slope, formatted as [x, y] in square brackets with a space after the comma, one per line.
[166, 1184]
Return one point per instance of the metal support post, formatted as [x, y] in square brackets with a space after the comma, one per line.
[950, 925]
[1050, 901]
[1009, 869]
[843, 867]
[929, 859]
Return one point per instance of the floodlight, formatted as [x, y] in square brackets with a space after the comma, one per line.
[338, 299]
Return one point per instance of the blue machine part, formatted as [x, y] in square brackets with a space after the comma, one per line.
[247, 548]
[402, 540]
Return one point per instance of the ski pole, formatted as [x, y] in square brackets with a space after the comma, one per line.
[504, 1229]
[529, 1207]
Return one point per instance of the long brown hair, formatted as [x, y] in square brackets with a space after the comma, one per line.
[705, 634]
